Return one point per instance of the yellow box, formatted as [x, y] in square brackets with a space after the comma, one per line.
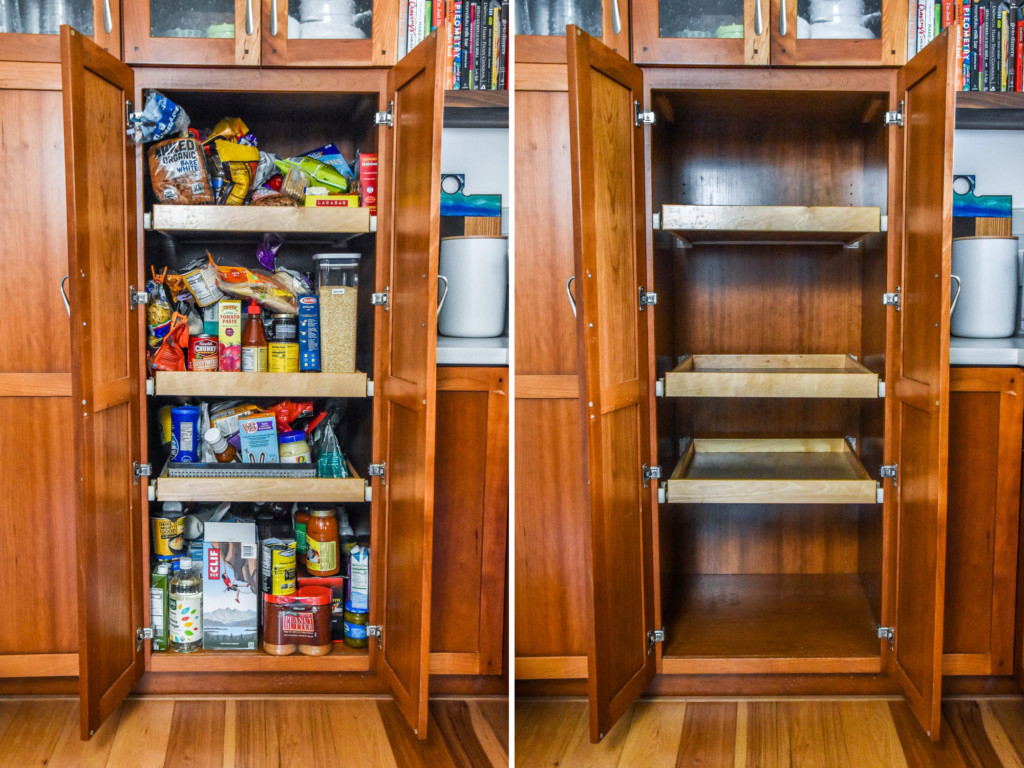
[327, 201]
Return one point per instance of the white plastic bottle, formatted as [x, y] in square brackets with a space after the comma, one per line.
[185, 609]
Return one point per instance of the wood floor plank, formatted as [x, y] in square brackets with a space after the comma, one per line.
[142, 734]
[870, 734]
[708, 737]
[964, 720]
[496, 713]
[918, 749]
[654, 734]
[197, 735]
[305, 734]
[767, 734]
[816, 737]
[358, 724]
[543, 731]
[410, 751]
[33, 732]
[490, 742]
[256, 742]
[740, 746]
[1010, 714]
[998, 738]
[230, 733]
[94, 753]
[7, 711]
[582, 754]
[456, 724]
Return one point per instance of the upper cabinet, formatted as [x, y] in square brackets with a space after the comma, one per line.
[540, 26]
[219, 32]
[776, 32]
[335, 33]
[29, 28]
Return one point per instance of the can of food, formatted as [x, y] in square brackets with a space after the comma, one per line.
[185, 434]
[277, 567]
[168, 531]
[203, 353]
[283, 357]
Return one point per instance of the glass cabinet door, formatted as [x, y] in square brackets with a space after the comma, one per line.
[210, 32]
[540, 26]
[29, 29]
[700, 31]
[323, 33]
[838, 32]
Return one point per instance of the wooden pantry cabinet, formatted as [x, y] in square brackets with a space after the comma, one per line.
[30, 32]
[759, 503]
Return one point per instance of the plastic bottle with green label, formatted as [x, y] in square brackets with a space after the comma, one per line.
[185, 609]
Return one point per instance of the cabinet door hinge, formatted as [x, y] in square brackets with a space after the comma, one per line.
[895, 118]
[131, 119]
[376, 630]
[141, 635]
[890, 471]
[381, 299]
[647, 299]
[892, 299]
[385, 118]
[140, 470]
[654, 636]
[378, 470]
[136, 297]
[651, 473]
[887, 633]
[642, 118]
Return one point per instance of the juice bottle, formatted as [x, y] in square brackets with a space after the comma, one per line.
[254, 342]
[185, 608]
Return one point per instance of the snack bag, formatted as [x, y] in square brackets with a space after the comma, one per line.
[322, 173]
[330, 154]
[240, 163]
[158, 310]
[286, 412]
[170, 356]
[230, 128]
[159, 119]
[257, 286]
[266, 251]
[177, 172]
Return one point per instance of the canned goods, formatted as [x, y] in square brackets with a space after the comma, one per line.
[185, 434]
[168, 530]
[284, 357]
[203, 353]
[277, 567]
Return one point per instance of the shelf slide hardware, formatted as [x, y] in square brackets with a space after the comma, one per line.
[385, 118]
[654, 636]
[655, 221]
[381, 299]
[892, 299]
[376, 630]
[852, 442]
[378, 470]
[887, 633]
[881, 388]
[141, 635]
[130, 118]
[890, 471]
[140, 470]
[651, 473]
[642, 118]
[879, 494]
[662, 494]
[647, 299]
[659, 388]
[893, 118]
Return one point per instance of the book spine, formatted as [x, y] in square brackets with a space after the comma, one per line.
[489, 47]
[982, 51]
[948, 13]
[437, 19]
[921, 24]
[446, 26]
[503, 49]
[457, 45]
[958, 42]
[467, 20]
[1018, 59]
[938, 19]
[495, 43]
[478, 18]
[965, 43]
[1010, 27]
[410, 28]
[1004, 49]
[992, 44]
[403, 27]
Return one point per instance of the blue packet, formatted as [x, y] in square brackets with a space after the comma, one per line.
[160, 118]
[330, 154]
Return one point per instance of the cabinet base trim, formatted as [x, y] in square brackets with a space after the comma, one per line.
[39, 665]
[770, 666]
[551, 667]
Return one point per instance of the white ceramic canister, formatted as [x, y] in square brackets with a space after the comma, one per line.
[476, 269]
[987, 302]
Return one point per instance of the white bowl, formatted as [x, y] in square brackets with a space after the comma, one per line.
[830, 31]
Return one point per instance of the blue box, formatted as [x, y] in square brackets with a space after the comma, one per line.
[258, 438]
[309, 333]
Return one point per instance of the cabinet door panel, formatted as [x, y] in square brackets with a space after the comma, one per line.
[105, 344]
[299, 33]
[220, 32]
[611, 267]
[30, 31]
[540, 27]
[918, 375]
[701, 32]
[831, 35]
[406, 374]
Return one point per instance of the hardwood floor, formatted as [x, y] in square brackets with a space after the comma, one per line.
[254, 733]
[808, 733]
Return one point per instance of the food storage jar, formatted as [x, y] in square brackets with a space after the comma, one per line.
[338, 289]
[293, 448]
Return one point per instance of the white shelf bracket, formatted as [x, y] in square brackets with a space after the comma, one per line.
[368, 492]
[663, 493]
[879, 493]
[150, 387]
[659, 388]
[369, 387]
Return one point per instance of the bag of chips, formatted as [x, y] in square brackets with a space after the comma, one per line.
[240, 163]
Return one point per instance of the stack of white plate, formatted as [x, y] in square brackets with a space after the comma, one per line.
[838, 20]
[328, 19]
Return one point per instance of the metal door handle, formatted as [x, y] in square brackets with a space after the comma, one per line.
[273, 18]
[248, 17]
[952, 304]
[758, 21]
[108, 20]
[568, 292]
[782, 17]
[63, 295]
[616, 19]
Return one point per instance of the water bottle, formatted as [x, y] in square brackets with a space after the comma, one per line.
[185, 609]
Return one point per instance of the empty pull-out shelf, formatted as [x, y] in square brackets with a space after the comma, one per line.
[710, 224]
[233, 384]
[770, 376]
[770, 471]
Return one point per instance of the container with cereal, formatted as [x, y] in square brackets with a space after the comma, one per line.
[338, 289]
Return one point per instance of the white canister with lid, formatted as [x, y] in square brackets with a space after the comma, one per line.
[987, 302]
[475, 270]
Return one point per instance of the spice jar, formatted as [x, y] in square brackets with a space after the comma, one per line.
[338, 289]
[322, 543]
[293, 447]
[355, 626]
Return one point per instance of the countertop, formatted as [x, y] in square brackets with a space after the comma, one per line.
[458, 351]
[1003, 352]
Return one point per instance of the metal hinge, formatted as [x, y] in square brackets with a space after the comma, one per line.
[142, 634]
[651, 473]
[378, 470]
[654, 636]
[381, 299]
[890, 471]
[887, 633]
[136, 297]
[130, 118]
[892, 299]
[376, 630]
[895, 118]
[647, 298]
[642, 118]
[140, 470]
[385, 118]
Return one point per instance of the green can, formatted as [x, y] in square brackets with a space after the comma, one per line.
[159, 581]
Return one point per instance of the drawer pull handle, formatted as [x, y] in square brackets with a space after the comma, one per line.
[273, 18]
[63, 294]
[248, 17]
[758, 20]
[568, 292]
[108, 20]
[782, 18]
[616, 18]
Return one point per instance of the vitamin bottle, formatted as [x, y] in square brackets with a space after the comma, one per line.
[222, 449]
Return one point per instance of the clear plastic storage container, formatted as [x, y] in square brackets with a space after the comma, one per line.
[338, 289]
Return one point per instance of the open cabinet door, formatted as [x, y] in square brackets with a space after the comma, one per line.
[605, 92]
[921, 217]
[105, 348]
[406, 373]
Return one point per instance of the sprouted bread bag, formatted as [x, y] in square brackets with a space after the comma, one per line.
[177, 171]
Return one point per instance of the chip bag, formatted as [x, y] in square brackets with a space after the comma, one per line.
[287, 411]
[240, 164]
[170, 356]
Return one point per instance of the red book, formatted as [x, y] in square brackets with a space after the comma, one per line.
[438, 14]
[1019, 58]
[948, 13]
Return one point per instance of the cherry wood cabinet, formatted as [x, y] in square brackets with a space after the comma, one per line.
[32, 34]
[286, 43]
[540, 27]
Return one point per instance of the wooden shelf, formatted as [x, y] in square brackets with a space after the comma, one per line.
[230, 384]
[770, 471]
[305, 489]
[711, 224]
[476, 109]
[308, 223]
[989, 111]
[774, 623]
[342, 658]
[475, 99]
[770, 376]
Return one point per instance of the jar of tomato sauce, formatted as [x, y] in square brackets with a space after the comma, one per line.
[322, 543]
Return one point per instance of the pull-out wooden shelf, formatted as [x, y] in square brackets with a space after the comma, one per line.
[770, 471]
[195, 220]
[710, 224]
[342, 658]
[770, 376]
[231, 384]
[305, 489]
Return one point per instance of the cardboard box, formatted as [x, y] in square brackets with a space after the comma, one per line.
[329, 200]
[258, 436]
[309, 333]
[229, 331]
[230, 586]
[368, 181]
